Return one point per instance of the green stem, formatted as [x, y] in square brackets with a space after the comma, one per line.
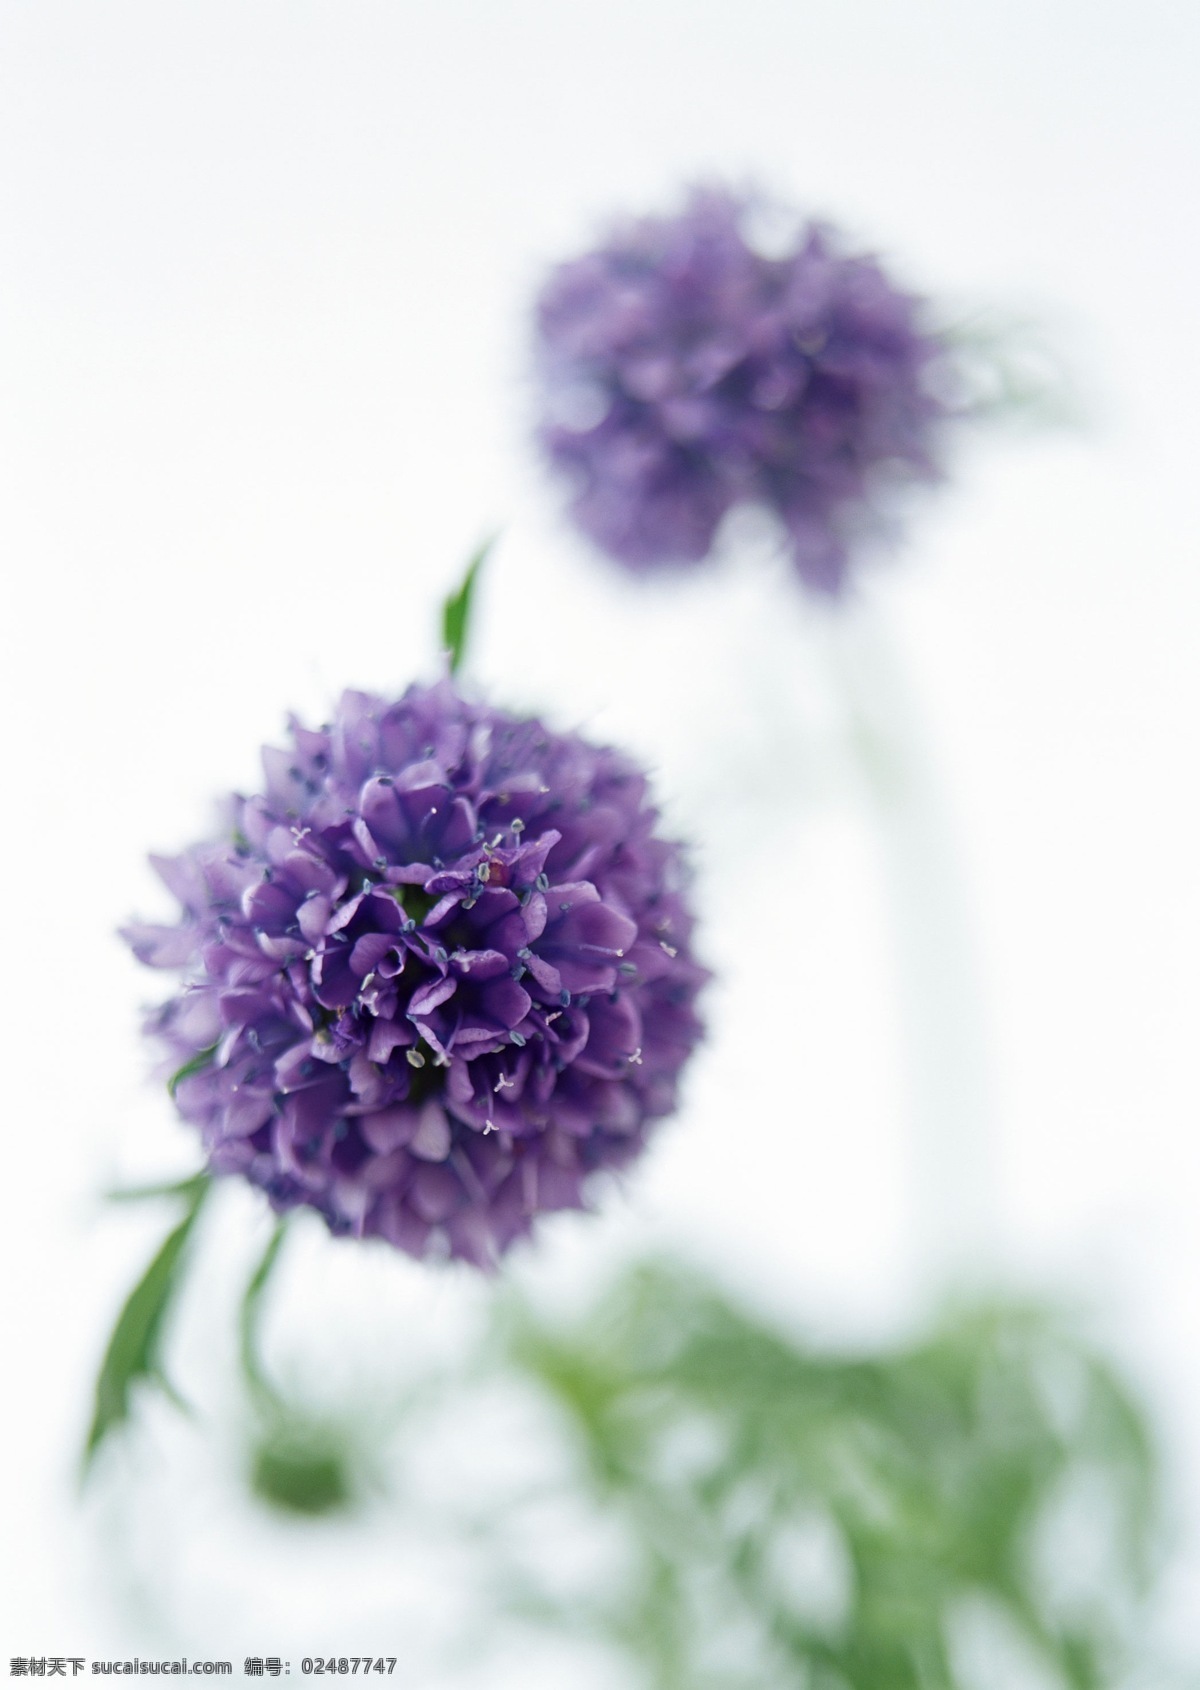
[949, 1104]
[250, 1321]
[188, 1188]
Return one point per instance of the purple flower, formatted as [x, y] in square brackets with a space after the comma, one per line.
[436, 974]
[685, 373]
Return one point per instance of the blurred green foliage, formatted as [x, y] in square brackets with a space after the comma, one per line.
[841, 1522]
[976, 1510]
[299, 1471]
[1006, 369]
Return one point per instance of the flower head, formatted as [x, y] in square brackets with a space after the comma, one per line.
[684, 372]
[436, 973]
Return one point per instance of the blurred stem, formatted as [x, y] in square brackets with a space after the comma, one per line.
[191, 1188]
[952, 1206]
[250, 1321]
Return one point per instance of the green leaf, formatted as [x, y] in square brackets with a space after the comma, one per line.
[456, 612]
[194, 1065]
[134, 1349]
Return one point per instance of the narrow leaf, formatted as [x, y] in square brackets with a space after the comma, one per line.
[456, 611]
[133, 1349]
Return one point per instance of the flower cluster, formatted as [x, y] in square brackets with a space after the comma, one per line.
[684, 372]
[437, 973]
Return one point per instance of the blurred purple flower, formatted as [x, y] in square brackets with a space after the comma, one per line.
[683, 373]
[435, 975]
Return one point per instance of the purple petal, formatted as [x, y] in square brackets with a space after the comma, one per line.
[506, 1001]
[431, 1141]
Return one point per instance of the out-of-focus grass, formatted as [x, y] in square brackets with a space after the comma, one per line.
[840, 1522]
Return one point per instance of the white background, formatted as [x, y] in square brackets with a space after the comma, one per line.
[263, 314]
